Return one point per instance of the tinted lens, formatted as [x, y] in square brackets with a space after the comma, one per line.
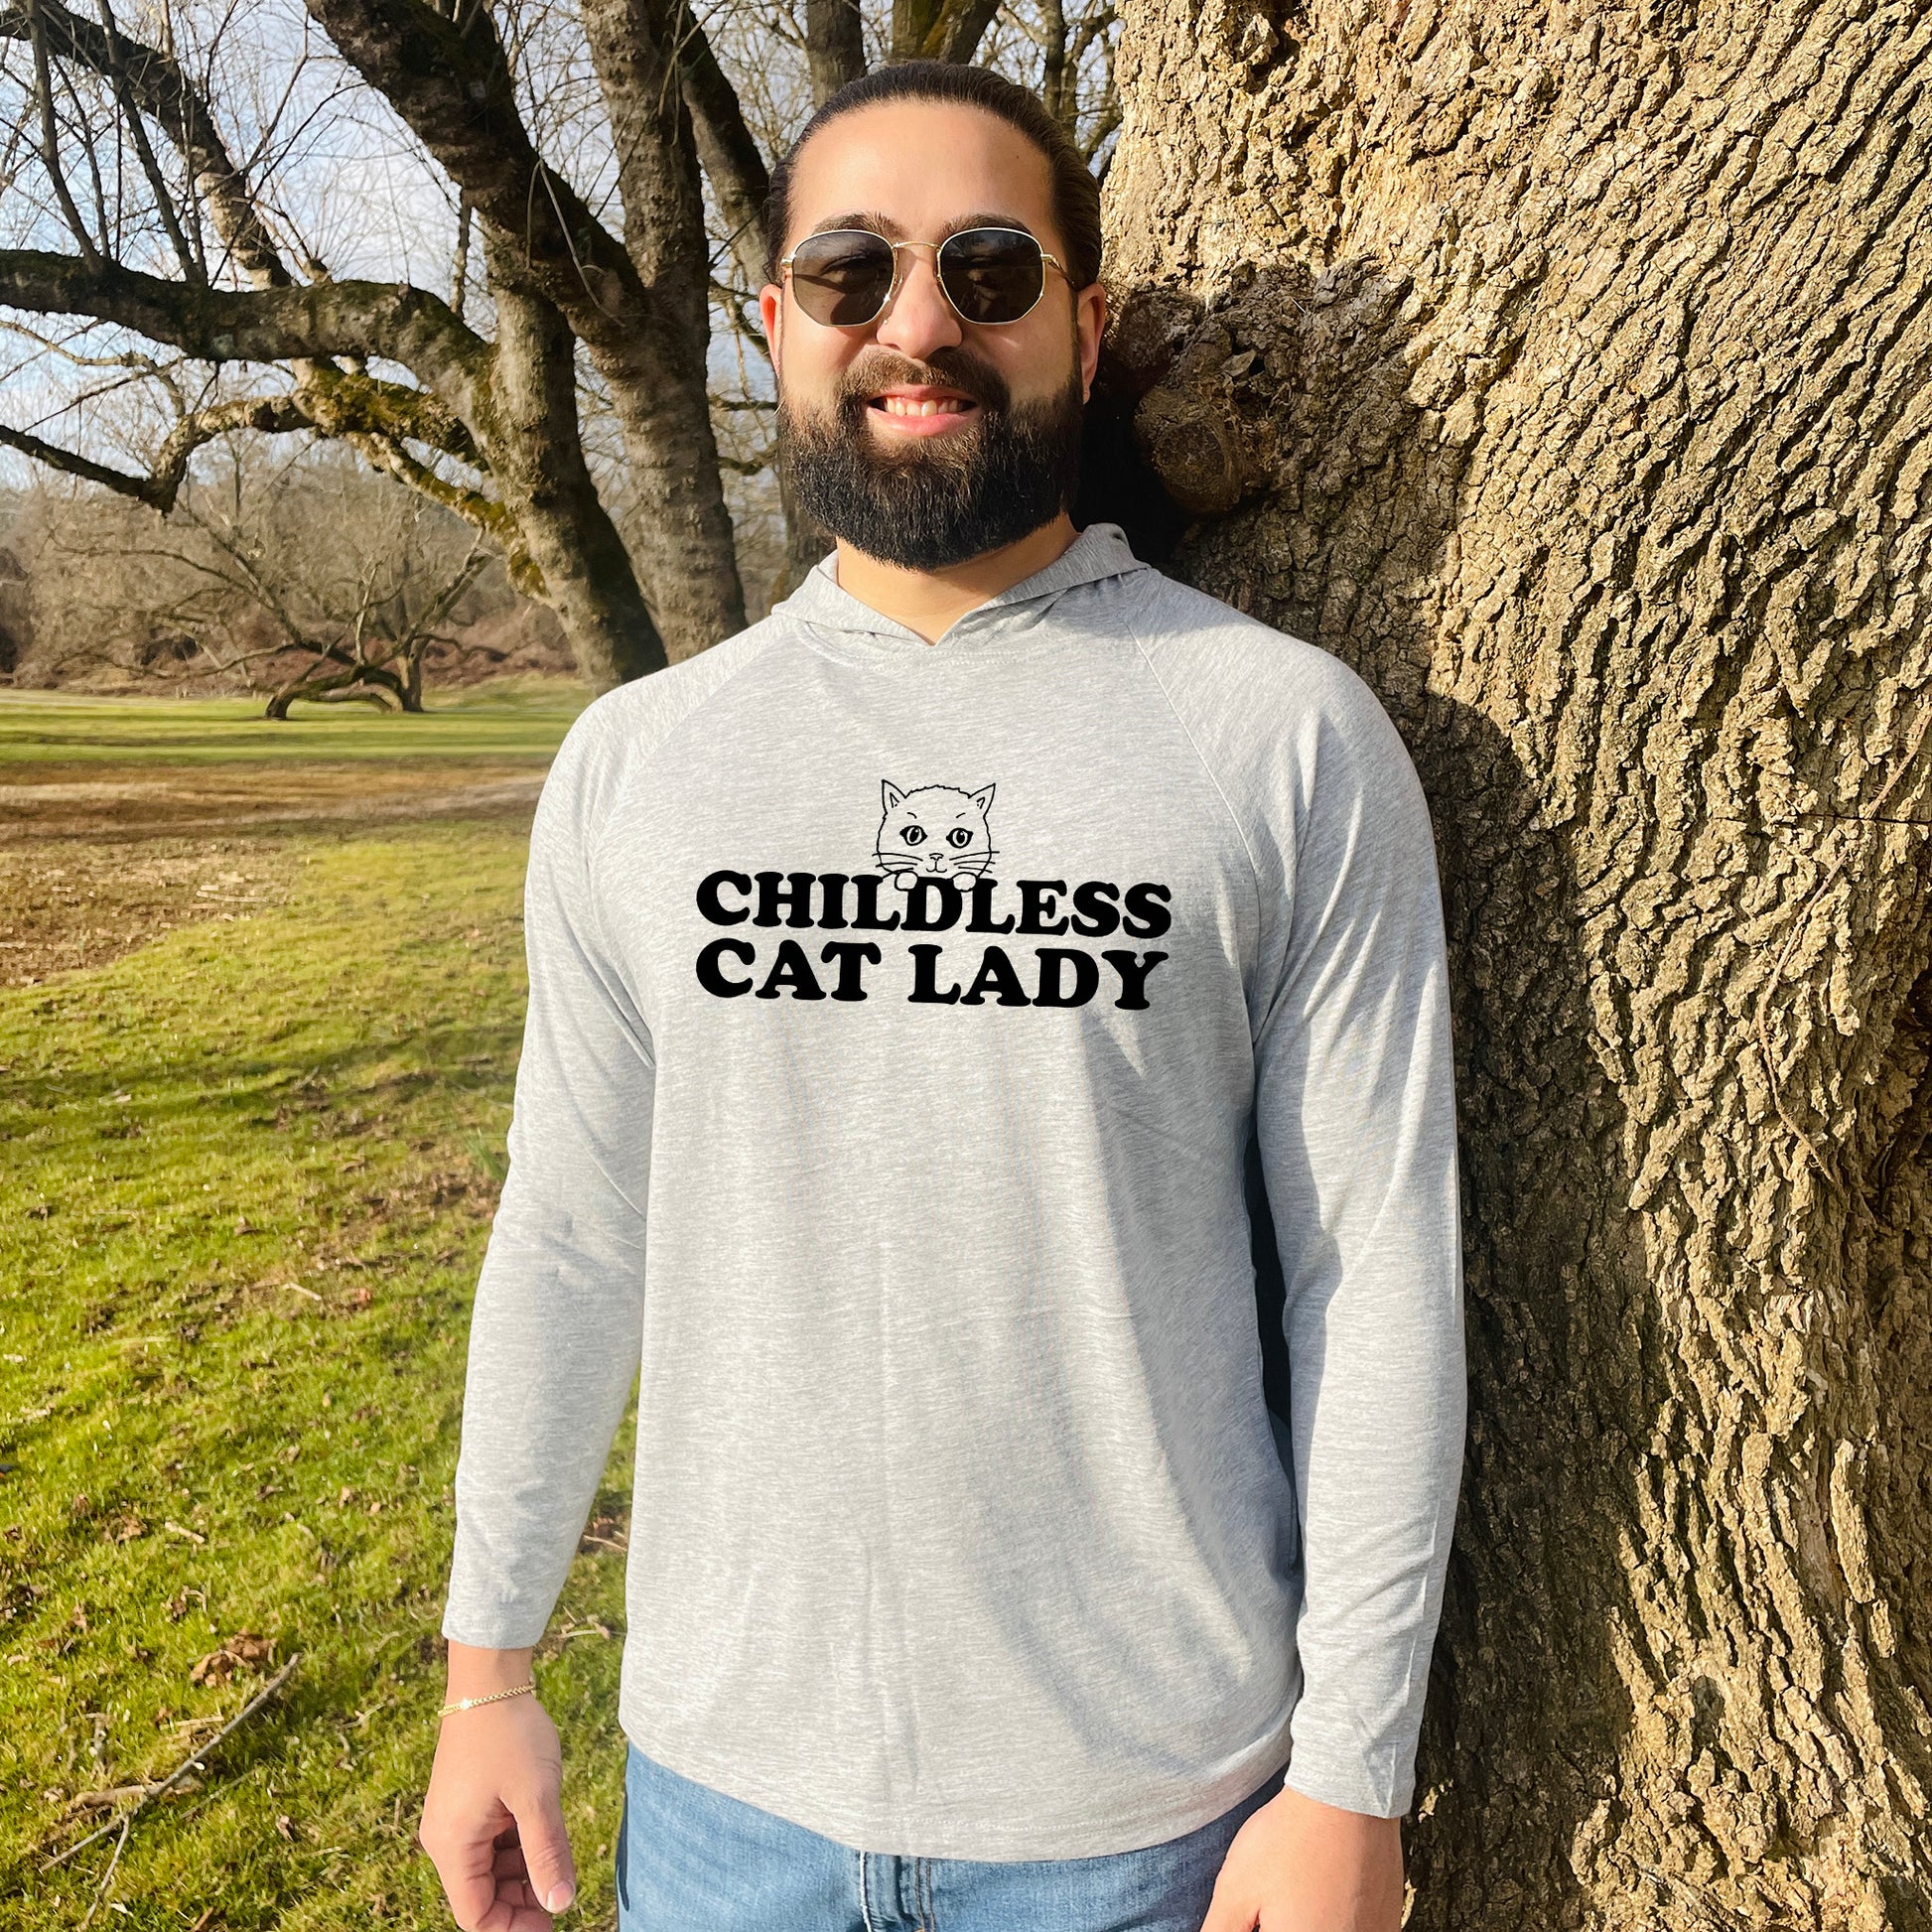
[992, 274]
[841, 277]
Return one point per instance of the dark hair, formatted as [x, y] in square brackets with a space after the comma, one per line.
[1076, 195]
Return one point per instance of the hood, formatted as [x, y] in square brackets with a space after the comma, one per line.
[1098, 555]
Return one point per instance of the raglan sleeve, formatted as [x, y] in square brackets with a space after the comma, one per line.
[1356, 1118]
[557, 1327]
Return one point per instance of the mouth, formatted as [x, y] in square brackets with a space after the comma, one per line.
[922, 409]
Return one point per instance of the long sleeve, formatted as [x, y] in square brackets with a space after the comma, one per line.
[556, 1331]
[1356, 1124]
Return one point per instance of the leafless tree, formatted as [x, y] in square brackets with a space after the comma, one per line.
[301, 576]
[585, 385]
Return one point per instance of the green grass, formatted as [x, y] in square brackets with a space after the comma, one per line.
[509, 719]
[308, 1098]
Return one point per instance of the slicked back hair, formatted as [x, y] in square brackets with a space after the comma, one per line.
[1076, 195]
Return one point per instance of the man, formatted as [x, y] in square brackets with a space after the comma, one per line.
[906, 976]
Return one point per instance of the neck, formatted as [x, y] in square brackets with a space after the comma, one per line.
[930, 601]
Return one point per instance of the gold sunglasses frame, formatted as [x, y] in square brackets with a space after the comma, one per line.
[1048, 258]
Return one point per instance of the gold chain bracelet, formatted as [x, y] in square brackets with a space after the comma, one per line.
[466, 1704]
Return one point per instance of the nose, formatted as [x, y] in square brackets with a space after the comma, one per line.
[919, 318]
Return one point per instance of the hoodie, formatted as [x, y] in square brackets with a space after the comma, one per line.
[899, 1014]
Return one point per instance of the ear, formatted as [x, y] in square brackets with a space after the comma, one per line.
[1089, 325]
[772, 315]
[890, 793]
[983, 798]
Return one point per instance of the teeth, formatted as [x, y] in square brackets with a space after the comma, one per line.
[900, 407]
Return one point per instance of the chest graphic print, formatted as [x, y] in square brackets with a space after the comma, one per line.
[932, 855]
[934, 832]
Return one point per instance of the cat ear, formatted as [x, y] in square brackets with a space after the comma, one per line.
[890, 793]
[983, 798]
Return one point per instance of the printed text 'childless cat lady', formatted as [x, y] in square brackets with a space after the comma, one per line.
[826, 901]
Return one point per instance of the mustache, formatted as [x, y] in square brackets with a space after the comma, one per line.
[948, 368]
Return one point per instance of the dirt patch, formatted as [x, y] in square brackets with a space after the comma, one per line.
[99, 859]
[74, 800]
[68, 903]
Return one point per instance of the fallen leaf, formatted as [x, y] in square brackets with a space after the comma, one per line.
[243, 1651]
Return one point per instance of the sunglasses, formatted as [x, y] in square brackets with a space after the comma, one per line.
[845, 277]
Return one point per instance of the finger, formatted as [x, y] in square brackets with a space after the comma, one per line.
[521, 1918]
[465, 1866]
[1229, 1911]
[509, 1863]
[551, 1869]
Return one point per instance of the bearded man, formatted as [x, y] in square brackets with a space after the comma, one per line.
[910, 975]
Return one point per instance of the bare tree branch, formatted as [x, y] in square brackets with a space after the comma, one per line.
[736, 169]
[192, 265]
[387, 319]
[961, 28]
[940, 30]
[156, 84]
[50, 134]
[83, 138]
[482, 513]
[633, 49]
[460, 265]
[451, 83]
[144, 489]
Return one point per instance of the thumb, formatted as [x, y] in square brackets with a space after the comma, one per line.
[546, 1847]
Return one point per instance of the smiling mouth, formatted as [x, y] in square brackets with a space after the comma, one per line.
[930, 406]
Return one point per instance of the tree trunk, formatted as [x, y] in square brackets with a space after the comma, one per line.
[536, 454]
[1565, 372]
[834, 45]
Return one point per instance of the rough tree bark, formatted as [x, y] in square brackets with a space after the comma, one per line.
[1566, 371]
[834, 45]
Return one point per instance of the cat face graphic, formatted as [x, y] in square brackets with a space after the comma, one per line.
[934, 832]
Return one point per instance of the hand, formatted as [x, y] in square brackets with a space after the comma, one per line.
[494, 1820]
[1300, 1866]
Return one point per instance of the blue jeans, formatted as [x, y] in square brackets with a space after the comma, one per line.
[692, 1860]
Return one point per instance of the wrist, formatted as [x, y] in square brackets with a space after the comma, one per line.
[479, 1672]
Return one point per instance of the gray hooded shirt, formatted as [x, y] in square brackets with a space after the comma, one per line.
[898, 1014]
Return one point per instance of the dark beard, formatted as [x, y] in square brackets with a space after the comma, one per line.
[937, 501]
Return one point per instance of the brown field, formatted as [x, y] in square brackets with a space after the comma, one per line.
[81, 902]
[95, 861]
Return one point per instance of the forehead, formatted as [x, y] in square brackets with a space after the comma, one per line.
[918, 168]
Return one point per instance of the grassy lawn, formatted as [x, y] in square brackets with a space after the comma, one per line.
[508, 719]
[246, 1173]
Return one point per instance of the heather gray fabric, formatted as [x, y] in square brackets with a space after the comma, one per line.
[959, 1528]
